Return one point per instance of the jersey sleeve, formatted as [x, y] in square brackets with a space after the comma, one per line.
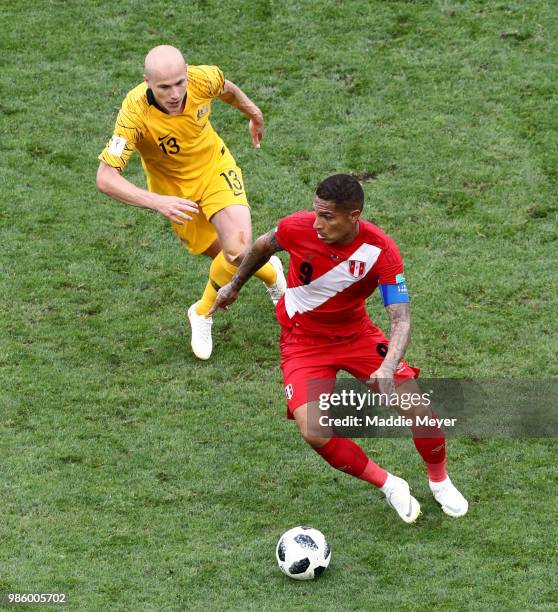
[128, 131]
[391, 280]
[389, 266]
[284, 232]
[209, 81]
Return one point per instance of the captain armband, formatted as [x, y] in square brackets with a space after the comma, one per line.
[395, 294]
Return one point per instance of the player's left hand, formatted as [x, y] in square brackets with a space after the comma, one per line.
[256, 129]
[225, 297]
[384, 379]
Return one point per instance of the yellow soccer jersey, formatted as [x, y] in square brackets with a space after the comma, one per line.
[173, 148]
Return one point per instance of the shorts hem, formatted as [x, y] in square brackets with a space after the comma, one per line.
[196, 249]
[212, 210]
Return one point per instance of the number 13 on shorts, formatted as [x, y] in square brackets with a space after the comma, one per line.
[233, 179]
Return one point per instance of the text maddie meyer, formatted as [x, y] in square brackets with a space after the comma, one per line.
[351, 420]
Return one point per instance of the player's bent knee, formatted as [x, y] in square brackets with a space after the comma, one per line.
[308, 429]
[315, 441]
[234, 254]
[422, 411]
[233, 258]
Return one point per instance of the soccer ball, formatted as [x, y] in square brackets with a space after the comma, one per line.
[303, 553]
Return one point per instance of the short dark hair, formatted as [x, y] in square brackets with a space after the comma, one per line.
[344, 190]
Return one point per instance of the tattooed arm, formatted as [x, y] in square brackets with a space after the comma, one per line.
[257, 256]
[400, 321]
[400, 334]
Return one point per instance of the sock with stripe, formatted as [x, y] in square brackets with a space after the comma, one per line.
[430, 442]
[220, 273]
[344, 455]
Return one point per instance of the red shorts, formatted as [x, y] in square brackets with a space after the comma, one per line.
[310, 364]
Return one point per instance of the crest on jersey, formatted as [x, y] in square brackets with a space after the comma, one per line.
[203, 111]
[357, 268]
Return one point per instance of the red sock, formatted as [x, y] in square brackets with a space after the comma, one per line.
[343, 454]
[431, 445]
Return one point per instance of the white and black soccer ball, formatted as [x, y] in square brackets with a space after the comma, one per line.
[303, 553]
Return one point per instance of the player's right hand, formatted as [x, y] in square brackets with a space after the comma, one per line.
[225, 297]
[384, 379]
[256, 129]
[174, 208]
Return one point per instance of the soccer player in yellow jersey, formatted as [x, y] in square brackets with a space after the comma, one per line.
[192, 178]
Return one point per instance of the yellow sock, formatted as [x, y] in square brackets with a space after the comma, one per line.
[207, 299]
[267, 274]
[220, 273]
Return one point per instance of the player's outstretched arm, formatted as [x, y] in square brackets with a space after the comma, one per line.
[264, 247]
[113, 184]
[233, 95]
[400, 334]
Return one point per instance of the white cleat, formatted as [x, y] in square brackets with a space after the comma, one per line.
[280, 285]
[202, 345]
[400, 499]
[451, 500]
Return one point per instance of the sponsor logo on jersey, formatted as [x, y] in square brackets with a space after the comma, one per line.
[357, 268]
[203, 111]
[289, 391]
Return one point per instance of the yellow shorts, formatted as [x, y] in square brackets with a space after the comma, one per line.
[219, 187]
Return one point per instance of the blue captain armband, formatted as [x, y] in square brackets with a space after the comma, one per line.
[395, 294]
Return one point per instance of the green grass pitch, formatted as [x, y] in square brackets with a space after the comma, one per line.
[134, 477]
